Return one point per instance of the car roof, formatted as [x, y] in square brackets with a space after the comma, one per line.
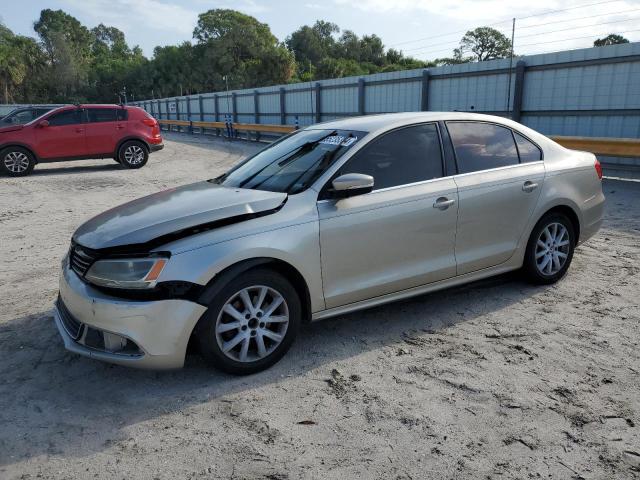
[378, 123]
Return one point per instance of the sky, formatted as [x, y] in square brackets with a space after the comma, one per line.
[425, 29]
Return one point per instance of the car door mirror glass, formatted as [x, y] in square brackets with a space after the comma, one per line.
[351, 184]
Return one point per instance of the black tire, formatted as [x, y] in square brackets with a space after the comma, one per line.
[8, 158]
[208, 341]
[133, 154]
[531, 268]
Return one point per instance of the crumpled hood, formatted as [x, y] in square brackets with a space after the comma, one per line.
[173, 212]
[11, 128]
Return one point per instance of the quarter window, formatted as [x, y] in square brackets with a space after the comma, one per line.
[66, 117]
[400, 157]
[122, 114]
[98, 115]
[482, 146]
[527, 150]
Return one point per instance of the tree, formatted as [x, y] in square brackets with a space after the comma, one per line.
[68, 45]
[312, 44]
[485, 43]
[237, 45]
[611, 39]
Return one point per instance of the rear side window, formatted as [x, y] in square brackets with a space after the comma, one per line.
[97, 115]
[122, 114]
[400, 157]
[482, 146]
[66, 117]
[527, 150]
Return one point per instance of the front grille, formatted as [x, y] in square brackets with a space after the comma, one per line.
[80, 259]
[70, 324]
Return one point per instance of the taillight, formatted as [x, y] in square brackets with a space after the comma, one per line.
[149, 122]
[598, 169]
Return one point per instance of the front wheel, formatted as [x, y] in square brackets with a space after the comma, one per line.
[133, 154]
[550, 249]
[251, 323]
[17, 161]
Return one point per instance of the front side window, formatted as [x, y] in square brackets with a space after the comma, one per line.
[19, 118]
[400, 157]
[66, 117]
[293, 163]
[99, 115]
[527, 150]
[482, 146]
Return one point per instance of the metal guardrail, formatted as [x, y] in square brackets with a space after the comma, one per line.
[230, 129]
[614, 147]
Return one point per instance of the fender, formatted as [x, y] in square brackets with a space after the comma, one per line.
[22, 145]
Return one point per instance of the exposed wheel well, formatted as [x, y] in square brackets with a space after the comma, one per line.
[571, 214]
[283, 268]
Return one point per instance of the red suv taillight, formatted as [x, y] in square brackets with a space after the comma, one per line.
[598, 169]
[153, 123]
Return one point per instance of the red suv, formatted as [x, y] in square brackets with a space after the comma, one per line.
[126, 134]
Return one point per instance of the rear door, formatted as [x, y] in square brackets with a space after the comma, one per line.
[399, 236]
[103, 130]
[498, 191]
[64, 137]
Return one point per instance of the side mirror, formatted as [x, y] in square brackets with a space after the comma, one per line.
[43, 123]
[351, 184]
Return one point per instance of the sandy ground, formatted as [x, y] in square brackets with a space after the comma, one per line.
[497, 379]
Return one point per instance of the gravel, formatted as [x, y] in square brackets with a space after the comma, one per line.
[497, 379]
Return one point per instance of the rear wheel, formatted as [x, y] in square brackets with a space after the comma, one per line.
[550, 249]
[133, 154]
[17, 161]
[251, 323]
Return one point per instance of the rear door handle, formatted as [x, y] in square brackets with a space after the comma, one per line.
[79, 130]
[119, 127]
[443, 203]
[529, 186]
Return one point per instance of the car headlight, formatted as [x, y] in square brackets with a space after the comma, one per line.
[126, 272]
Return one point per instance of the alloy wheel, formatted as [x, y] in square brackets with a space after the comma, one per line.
[552, 249]
[134, 155]
[252, 323]
[16, 162]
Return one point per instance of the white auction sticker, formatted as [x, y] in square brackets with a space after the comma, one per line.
[339, 140]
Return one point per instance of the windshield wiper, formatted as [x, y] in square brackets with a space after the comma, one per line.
[290, 156]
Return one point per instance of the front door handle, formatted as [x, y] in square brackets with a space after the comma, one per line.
[529, 186]
[443, 203]
[79, 130]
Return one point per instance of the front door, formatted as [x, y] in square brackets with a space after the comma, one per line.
[498, 187]
[399, 236]
[64, 137]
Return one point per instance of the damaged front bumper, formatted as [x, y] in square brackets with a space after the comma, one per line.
[143, 334]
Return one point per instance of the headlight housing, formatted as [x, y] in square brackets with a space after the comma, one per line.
[132, 273]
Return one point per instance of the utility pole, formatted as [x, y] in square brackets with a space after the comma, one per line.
[513, 34]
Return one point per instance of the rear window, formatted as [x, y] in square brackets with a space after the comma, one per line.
[97, 115]
[482, 146]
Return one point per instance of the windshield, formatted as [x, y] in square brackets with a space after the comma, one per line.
[293, 163]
